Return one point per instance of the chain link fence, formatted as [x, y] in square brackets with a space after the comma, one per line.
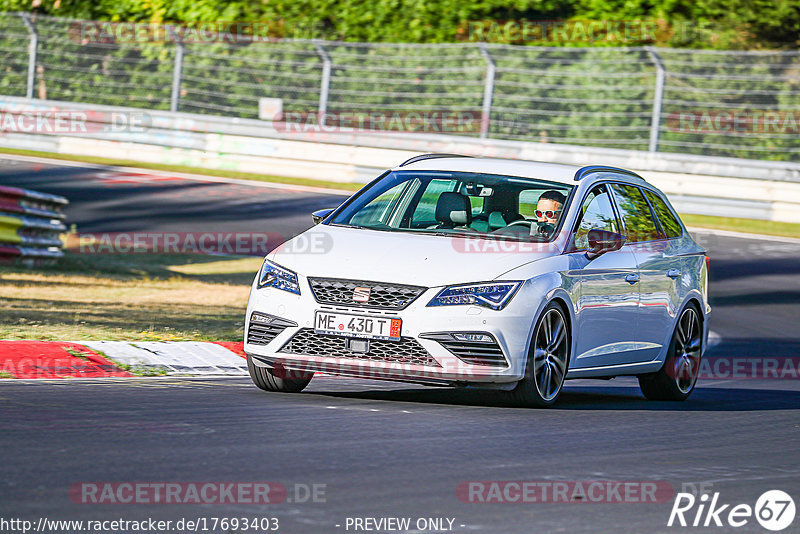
[739, 104]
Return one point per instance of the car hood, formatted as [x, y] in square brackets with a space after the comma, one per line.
[404, 258]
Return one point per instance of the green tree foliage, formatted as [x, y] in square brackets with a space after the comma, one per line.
[721, 24]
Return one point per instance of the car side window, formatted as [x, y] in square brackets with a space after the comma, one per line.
[379, 209]
[635, 213]
[425, 211]
[669, 223]
[596, 214]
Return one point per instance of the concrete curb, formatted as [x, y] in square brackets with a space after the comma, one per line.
[97, 359]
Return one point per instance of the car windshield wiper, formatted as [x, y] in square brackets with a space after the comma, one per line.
[440, 233]
[362, 227]
[504, 237]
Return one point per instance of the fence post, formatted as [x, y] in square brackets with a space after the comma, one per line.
[658, 98]
[488, 89]
[177, 74]
[325, 84]
[33, 49]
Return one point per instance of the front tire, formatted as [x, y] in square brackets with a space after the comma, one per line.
[548, 361]
[676, 379]
[279, 380]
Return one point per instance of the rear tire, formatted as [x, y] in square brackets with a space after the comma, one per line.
[676, 379]
[279, 380]
[548, 361]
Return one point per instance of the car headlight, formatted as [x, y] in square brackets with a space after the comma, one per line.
[273, 275]
[494, 295]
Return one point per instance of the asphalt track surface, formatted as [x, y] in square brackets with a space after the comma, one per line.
[394, 450]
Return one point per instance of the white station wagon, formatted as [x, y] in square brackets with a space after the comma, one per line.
[503, 274]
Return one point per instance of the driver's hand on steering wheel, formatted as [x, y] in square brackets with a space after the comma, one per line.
[545, 229]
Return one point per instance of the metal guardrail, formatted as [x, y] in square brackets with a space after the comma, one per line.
[707, 185]
[189, 131]
[30, 226]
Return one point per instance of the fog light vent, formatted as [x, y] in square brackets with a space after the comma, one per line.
[263, 328]
[474, 348]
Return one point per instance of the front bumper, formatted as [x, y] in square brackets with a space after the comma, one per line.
[510, 328]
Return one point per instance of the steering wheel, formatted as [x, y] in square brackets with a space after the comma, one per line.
[545, 229]
[521, 222]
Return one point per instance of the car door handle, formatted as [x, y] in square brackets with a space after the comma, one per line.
[673, 273]
[632, 278]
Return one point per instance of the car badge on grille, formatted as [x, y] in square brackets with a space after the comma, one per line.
[361, 294]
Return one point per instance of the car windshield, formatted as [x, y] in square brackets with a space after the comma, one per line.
[463, 203]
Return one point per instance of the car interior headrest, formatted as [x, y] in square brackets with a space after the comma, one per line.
[453, 208]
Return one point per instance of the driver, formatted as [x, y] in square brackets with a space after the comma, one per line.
[548, 210]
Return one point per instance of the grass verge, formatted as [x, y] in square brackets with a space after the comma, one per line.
[184, 168]
[128, 297]
[750, 226]
[139, 370]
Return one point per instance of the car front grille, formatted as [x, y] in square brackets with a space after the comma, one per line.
[381, 295]
[306, 342]
[471, 352]
[263, 328]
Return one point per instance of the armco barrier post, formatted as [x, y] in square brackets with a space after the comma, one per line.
[30, 226]
[325, 84]
[33, 49]
[488, 89]
[658, 98]
[177, 74]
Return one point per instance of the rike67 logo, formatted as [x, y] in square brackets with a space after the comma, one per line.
[774, 510]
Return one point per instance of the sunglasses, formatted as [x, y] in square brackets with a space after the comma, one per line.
[549, 214]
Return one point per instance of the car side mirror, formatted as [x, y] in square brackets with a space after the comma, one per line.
[319, 215]
[602, 241]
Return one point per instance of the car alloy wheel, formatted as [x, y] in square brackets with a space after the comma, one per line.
[548, 360]
[686, 357]
[675, 381]
[550, 354]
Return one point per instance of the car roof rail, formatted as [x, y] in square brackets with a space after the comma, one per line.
[431, 156]
[583, 172]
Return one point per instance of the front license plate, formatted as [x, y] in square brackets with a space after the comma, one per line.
[364, 326]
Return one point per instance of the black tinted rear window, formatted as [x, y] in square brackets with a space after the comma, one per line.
[670, 225]
[635, 213]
